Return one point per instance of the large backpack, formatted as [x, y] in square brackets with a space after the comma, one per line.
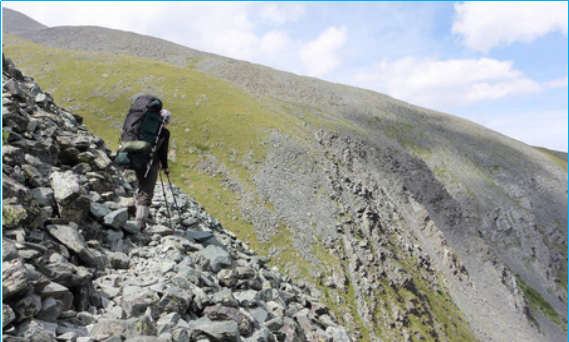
[141, 130]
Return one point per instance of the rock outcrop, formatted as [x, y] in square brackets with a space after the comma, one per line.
[76, 267]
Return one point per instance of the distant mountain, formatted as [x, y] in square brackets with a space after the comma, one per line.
[14, 22]
[413, 224]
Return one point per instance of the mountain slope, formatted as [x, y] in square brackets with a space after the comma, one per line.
[346, 187]
[14, 21]
[74, 267]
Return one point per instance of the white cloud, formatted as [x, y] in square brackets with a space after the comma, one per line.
[274, 42]
[559, 83]
[486, 24]
[281, 13]
[224, 28]
[447, 84]
[321, 56]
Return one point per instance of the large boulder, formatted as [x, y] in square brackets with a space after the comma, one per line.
[218, 257]
[71, 198]
[70, 237]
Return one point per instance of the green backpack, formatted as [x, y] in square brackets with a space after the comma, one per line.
[141, 130]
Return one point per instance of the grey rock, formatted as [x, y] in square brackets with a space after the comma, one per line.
[44, 196]
[27, 307]
[246, 299]
[115, 238]
[37, 329]
[218, 257]
[261, 335]
[70, 196]
[19, 206]
[160, 230]
[117, 218]
[244, 321]
[290, 331]
[276, 308]
[132, 227]
[8, 315]
[200, 300]
[224, 331]
[174, 299]
[50, 309]
[84, 339]
[34, 177]
[138, 326]
[53, 290]
[259, 314]
[306, 320]
[181, 335]
[86, 318]
[14, 278]
[200, 236]
[98, 210]
[269, 294]
[167, 322]
[66, 274]
[137, 303]
[339, 334]
[244, 272]
[119, 260]
[9, 251]
[101, 161]
[69, 236]
[224, 297]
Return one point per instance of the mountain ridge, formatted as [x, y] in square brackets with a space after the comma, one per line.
[423, 150]
[14, 21]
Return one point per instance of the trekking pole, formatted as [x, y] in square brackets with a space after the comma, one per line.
[165, 199]
[174, 197]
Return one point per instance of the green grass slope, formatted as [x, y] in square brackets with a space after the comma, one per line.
[211, 118]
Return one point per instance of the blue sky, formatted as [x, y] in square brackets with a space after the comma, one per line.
[500, 64]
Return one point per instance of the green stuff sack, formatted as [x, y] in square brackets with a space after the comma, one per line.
[136, 146]
[132, 160]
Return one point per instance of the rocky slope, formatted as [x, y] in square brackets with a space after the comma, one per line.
[415, 225]
[75, 267]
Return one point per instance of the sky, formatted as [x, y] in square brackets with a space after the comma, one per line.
[500, 64]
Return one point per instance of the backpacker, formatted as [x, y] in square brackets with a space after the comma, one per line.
[141, 130]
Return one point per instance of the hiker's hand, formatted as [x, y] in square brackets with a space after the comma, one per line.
[167, 170]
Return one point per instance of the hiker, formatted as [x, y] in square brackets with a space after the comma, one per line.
[147, 178]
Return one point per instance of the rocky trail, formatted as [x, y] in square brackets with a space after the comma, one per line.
[77, 267]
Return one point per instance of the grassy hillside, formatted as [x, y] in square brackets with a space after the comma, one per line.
[212, 120]
[219, 132]
[219, 135]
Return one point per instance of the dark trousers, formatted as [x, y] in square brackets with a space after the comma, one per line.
[146, 184]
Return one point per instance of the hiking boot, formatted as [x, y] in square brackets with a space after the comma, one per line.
[143, 215]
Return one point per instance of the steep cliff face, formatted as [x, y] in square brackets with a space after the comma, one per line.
[396, 239]
[76, 267]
